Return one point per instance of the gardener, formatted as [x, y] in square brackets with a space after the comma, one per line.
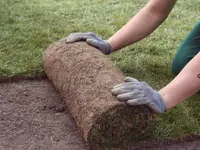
[186, 62]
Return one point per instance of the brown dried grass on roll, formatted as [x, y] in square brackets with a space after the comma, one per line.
[84, 77]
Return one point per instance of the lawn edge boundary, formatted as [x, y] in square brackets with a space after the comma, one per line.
[164, 142]
[18, 78]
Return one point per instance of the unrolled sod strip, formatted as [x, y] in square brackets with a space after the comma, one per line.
[84, 78]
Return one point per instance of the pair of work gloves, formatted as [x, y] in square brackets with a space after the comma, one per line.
[132, 92]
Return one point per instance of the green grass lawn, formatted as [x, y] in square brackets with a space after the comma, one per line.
[27, 27]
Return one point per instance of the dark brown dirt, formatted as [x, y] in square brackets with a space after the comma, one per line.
[84, 77]
[32, 117]
[186, 143]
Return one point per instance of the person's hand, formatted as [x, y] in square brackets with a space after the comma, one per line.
[91, 39]
[133, 92]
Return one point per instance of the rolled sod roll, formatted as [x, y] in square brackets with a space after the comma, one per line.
[84, 78]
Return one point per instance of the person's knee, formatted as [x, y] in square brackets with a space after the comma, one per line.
[181, 58]
[187, 50]
[177, 65]
[197, 25]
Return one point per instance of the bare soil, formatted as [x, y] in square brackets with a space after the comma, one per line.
[186, 143]
[32, 117]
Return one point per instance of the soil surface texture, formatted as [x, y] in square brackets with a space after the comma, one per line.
[187, 143]
[32, 117]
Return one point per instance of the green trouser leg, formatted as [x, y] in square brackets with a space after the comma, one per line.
[187, 50]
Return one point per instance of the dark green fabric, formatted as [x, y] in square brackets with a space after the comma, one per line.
[187, 50]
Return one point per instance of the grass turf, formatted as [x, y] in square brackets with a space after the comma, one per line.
[28, 27]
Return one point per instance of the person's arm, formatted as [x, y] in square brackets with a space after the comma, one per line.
[139, 27]
[179, 89]
[186, 83]
[142, 24]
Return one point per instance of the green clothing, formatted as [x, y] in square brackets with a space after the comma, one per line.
[187, 50]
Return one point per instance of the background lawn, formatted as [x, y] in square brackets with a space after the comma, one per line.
[27, 27]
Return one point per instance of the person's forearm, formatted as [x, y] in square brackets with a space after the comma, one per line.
[184, 85]
[142, 24]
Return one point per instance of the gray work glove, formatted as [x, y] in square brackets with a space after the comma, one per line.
[91, 39]
[133, 92]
